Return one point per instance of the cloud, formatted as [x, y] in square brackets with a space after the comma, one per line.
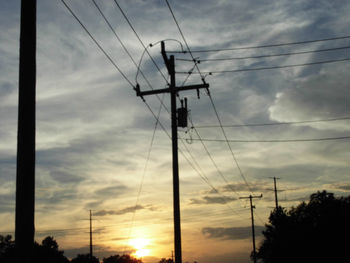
[320, 97]
[123, 211]
[212, 200]
[66, 177]
[111, 191]
[345, 186]
[231, 233]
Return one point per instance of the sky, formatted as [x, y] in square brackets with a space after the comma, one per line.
[100, 148]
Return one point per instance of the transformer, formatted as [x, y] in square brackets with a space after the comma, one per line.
[182, 115]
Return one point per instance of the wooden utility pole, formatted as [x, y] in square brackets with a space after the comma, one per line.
[275, 190]
[173, 90]
[250, 197]
[25, 178]
[91, 255]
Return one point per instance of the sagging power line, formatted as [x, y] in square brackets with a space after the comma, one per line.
[265, 56]
[265, 46]
[271, 123]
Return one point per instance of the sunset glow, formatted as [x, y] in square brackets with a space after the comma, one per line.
[140, 244]
[273, 122]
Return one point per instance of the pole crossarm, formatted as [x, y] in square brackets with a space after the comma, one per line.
[173, 90]
[140, 93]
[251, 196]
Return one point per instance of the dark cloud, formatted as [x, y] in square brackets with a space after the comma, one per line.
[231, 233]
[66, 177]
[342, 186]
[212, 200]
[123, 211]
[111, 191]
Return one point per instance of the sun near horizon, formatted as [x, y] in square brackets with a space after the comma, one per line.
[140, 246]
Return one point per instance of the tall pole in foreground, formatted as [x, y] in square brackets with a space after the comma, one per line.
[90, 238]
[173, 90]
[252, 216]
[25, 178]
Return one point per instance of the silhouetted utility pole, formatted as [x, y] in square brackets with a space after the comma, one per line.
[173, 90]
[250, 197]
[90, 237]
[275, 190]
[25, 178]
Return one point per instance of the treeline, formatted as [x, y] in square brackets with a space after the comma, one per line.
[48, 252]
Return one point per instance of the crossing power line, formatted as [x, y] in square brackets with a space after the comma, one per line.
[276, 140]
[269, 67]
[265, 46]
[273, 123]
[265, 56]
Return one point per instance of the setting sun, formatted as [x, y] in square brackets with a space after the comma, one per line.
[140, 245]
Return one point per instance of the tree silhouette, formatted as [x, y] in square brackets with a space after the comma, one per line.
[310, 232]
[84, 258]
[48, 252]
[121, 259]
[7, 249]
[164, 260]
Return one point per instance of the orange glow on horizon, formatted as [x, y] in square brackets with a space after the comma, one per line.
[140, 245]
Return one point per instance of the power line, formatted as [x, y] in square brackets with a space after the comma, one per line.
[199, 72]
[228, 144]
[264, 46]
[212, 160]
[275, 140]
[266, 56]
[267, 68]
[138, 37]
[184, 39]
[96, 42]
[272, 124]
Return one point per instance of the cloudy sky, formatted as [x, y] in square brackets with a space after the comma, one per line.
[99, 147]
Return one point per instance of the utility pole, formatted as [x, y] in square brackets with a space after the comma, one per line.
[173, 90]
[25, 177]
[90, 237]
[250, 197]
[275, 190]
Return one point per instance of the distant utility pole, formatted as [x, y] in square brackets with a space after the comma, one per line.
[250, 197]
[25, 177]
[176, 120]
[275, 190]
[90, 237]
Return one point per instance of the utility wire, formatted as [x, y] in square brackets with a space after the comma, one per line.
[199, 72]
[265, 46]
[144, 171]
[138, 37]
[265, 56]
[276, 140]
[96, 42]
[131, 84]
[184, 39]
[228, 144]
[213, 162]
[271, 124]
[129, 54]
[267, 68]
